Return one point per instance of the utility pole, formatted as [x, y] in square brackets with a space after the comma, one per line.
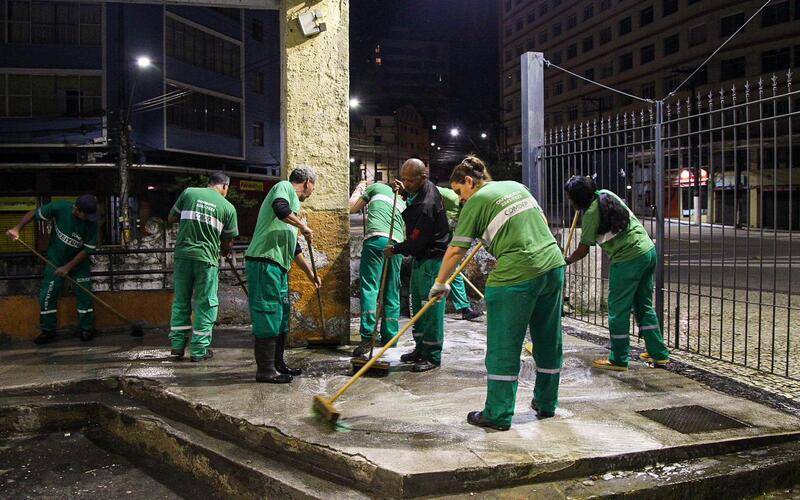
[123, 167]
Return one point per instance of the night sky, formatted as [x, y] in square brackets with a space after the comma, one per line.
[469, 26]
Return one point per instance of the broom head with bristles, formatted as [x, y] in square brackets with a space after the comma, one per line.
[325, 409]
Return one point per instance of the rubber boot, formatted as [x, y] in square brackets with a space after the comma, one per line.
[362, 348]
[280, 362]
[412, 357]
[265, 361]
[44, 337]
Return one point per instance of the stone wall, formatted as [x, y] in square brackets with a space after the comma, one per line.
[315, 117]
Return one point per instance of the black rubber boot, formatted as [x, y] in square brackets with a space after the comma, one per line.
[280, 362]
[208, 355]
[363, 348]
[44, 337]
[265, 362]
[476, 418]
[411, 357]
[541, 414]
[469, 314]
[424, 365]
[177, 353]
[87, 335]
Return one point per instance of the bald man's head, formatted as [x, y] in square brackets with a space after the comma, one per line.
[413, 173]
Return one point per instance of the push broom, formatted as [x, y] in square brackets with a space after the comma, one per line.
[324, 340]
[136, 328]
[324, 406]
[380, 367]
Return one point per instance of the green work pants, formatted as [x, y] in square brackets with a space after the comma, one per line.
[631, 287]
[268, 288]
[51, 290]
[510, 311]
[194, 281]
[429, 329]
[370, 271]
[459, 294]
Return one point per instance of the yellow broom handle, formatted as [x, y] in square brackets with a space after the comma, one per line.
[408, 325]
[571, 232]
[471, 285]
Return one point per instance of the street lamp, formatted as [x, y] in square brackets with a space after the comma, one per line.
[143, 62]
[352, 160]
[454, 132]
[433, 144]
[354, 103]
[433, 127]
[484, 135]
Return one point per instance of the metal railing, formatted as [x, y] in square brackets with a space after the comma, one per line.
[715, 179]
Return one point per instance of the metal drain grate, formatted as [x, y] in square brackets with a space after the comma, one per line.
[692, 419]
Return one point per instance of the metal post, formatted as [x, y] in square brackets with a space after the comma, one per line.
[532, 67]
[659, 166]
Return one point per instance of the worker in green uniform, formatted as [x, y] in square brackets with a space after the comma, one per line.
[427, 236]
[461, 303]
[267, 262]
[73, 240]
[208, 225]
[523, 290]
[607, 221]
[379, 200]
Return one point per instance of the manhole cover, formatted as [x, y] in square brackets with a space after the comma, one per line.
[692, 419]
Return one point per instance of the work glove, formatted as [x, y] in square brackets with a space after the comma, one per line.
[439, 290]
[358, 192]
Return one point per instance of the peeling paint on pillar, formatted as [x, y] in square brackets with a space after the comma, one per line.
[315, 117]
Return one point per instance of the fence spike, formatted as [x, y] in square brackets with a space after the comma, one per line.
[747, 91]
[721, 97]
[733, 94]
[774, 83]
[789, 76]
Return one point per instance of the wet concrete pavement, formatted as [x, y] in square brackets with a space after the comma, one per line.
[411, 427]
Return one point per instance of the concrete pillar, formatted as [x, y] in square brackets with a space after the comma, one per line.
[314, 114]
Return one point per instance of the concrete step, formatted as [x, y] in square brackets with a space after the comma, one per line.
[748, 473]
[231, 471]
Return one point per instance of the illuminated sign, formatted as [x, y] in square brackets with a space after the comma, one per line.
[686, 178]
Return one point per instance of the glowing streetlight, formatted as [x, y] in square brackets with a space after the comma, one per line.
[454, 132]
[352, 160]
[484, 135]
[433, 144]
[143, 62]
[438, 148]
[433, 127]
[354, 103]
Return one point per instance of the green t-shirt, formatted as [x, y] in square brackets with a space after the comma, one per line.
[513, 227]
[625, 245]
[274, 239]
[452, 205]
[70, 234]
[379, 198]
[207, 218]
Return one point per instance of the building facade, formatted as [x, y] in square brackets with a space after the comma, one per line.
[647, 49]
[71, 72]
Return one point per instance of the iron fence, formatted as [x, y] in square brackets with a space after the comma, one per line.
[715, 179]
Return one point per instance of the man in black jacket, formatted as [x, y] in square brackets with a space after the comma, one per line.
[427, 237]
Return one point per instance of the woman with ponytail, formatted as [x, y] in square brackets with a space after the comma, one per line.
[523, 290]
[607, 221]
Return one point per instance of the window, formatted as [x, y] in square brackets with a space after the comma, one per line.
[588, 12]
[258, 82]
[605, 4]
[62, 23]
[625, 62]
[648, 53]
[543, 9]
[556, 3]
[556, 29]
[531, 17]
[625, 100]
[519, 50]
[558, 88]
[605, 35]
[378, 123]
[205, 113]
[649, 90]
[509, 106]
[589, 74]
[47, 96]
[543, 37]
[509, 31]
[625, 26]
[530, 43]
[775, 14]
[572, 83]
[557, 118]
[508, 56]
[572, 113]
[776, 60]
[672, 44]
[520, 25]
[729, 24]
[607, 70]
[257, 30]
[733, 68]
[508, 5]
[572, 51]
[557, 57]
[671, 83]
[697, 35]
[646, 16]
[670, 7]
[258, 133]
[201, 49]
[588, 44]
[572, 21]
